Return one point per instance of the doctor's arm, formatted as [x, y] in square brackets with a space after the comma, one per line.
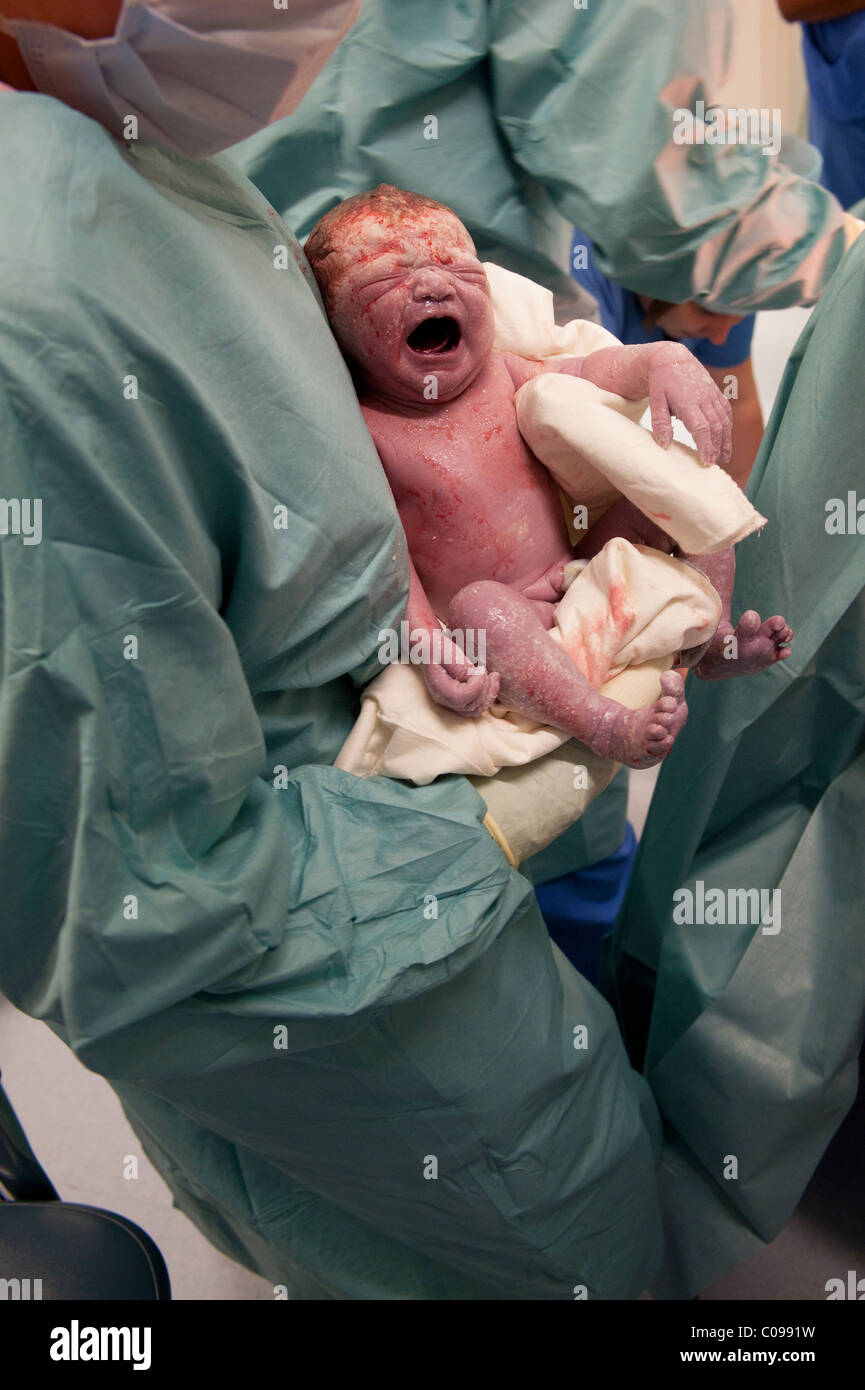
[591, 101]
[162, 880]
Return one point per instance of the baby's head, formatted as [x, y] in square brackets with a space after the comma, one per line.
[406, 295]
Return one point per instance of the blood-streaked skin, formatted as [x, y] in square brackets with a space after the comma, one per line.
[410, 306]
[389, 282]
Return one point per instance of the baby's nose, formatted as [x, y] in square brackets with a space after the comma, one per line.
[430, 283]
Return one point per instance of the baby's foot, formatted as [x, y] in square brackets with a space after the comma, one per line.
[640, 738]
[752, 647]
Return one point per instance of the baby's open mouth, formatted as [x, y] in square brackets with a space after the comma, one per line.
[435, 335]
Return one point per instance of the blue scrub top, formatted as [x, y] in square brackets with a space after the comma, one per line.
[834, 53]
[623, 315]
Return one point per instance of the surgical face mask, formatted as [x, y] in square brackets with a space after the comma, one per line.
[196, 75]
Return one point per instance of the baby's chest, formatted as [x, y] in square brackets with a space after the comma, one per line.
[469, 449]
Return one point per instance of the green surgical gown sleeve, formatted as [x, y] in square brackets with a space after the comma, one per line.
[587, 101]
[530, 116]
[330, 1007]
[750, 1032]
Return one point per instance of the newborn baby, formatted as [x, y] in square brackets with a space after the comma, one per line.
[410, 306]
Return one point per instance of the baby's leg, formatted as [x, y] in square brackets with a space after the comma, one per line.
[749, 647]
[758, 643]
[625, 520]
[539, 680]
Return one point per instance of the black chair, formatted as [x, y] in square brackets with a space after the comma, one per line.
[50, 1249]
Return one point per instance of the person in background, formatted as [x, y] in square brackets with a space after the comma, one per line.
[722, 342]
[833, 45]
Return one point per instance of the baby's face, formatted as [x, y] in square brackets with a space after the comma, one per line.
[411, 305]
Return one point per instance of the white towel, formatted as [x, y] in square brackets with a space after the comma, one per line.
[596, 454]
[526, 324]
[591, 441]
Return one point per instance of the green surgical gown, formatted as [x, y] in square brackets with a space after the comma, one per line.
[330, 1008]
[751, 1036]
[530, 116]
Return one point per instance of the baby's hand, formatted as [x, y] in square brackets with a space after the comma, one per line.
[457, 684]
[680, 385]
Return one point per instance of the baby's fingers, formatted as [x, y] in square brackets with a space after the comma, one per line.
[706, 433]
[487, 695]
[469, 696]
[455, 661]
[720, 414]
[726, 430]
[662, 423]
[463, 670]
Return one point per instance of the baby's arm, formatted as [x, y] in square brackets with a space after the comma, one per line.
[675, 382]
[454, 682]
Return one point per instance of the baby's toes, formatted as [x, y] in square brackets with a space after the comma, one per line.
[749, 624]
[671, 711]
[778, 630]
[658, 730]
[672, 686]
[658, 739]
[664, 722]
[667, 704]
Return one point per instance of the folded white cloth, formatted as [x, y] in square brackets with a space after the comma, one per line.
[596, 455]
[590, 439]
[631, 604]
[526, 324]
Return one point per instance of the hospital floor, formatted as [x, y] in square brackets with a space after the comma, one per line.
[79, 1133]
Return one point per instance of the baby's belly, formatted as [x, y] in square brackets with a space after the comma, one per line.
[517, 550]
